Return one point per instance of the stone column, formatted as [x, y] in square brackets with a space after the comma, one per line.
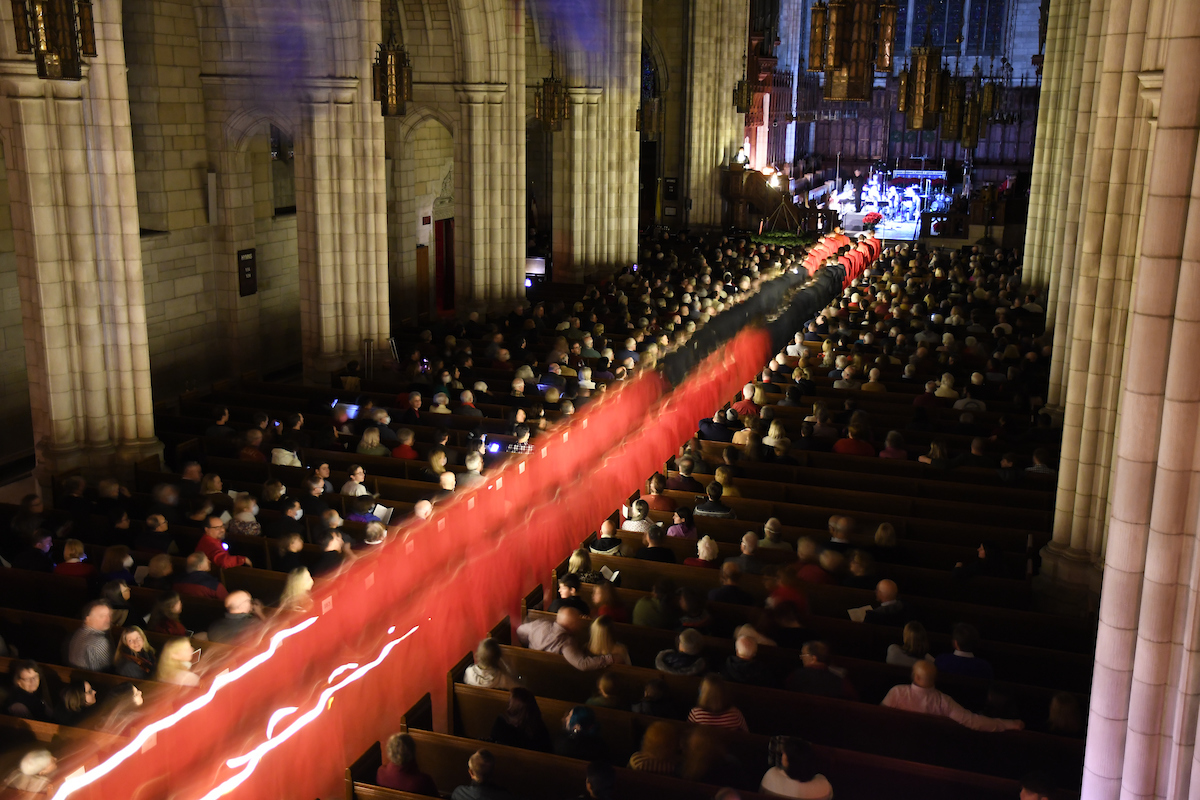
[479, 191]
[1049, 128]
[1099, 294]
[75, 223]
[341, 225]
[515, 214]
[575, 217]
[716, 61]
[628, 166]
[1067, 243]
[1143, 703]
[1076, 38]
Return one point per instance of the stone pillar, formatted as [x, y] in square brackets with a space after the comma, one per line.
[1067, 242]
[514, 216]
[480, 260]
[575, 218]
[75, 220]
[1044, 154]
[341, 225]
[1100, 291]
[628, 166]
[1075, 39]
[1142, 723]
[714, 130]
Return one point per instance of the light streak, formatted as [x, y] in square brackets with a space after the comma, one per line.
[277, 717]
[340, 670]
[251, 760]
[134, 747]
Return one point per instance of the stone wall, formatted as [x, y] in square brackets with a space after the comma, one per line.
[14, 387]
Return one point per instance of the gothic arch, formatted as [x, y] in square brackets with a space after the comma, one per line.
[417, 117]
[244, 123]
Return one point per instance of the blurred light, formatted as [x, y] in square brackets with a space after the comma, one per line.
[138, 742]
[529, 283]
[250, 761]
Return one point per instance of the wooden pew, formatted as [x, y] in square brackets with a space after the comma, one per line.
[894, 467]
[1033, 666]
[872, 679]
[444, 758]
[798, 484]
[44, 637]
[911, 552]
[1019, 627]
[1001, 592]
[815, 516]
[836, 723]
[852, 774]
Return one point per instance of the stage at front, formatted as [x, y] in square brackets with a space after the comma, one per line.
[885, 229]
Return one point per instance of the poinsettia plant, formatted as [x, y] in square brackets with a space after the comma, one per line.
[874, 218]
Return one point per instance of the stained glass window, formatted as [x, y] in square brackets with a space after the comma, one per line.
[649, 75]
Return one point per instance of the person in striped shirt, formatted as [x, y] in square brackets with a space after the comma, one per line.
[715, 707]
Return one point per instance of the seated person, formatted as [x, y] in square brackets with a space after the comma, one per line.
[568, 595]
[815, 676]
[713, 507]
[480, 767]
[606, 695]
[27, 698]
[729, 591]
[923, 697]
[401, 771]
[963, 661]
[685, 659]
[558, 636]
[744, 666]
[242, 614]
[580, 738]
[748, 562]
[655, 549]
[199, 580]
[521, 725]
[891, 610]
[796, 775]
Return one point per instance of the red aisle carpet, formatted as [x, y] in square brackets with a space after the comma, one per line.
[284, 719]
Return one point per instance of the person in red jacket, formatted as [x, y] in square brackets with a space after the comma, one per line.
[212, 544]
[855, 444]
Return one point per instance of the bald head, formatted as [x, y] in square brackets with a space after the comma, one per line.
[886, 591]
[238, 602]
[423, 509]
[569, 618]
[608, 529]
[747, 648]
[924, 674]
[749, 543]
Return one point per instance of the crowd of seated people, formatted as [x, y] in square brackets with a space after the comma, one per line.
[957, 319]
[605, 337]
[172, 540]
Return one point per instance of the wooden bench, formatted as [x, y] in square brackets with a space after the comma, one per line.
[1005, 625]
[444, 758]
[911, 552]
[852, 774]
[836, 723]
[816, 516]
[872, 679]
[1033, 666]
[1000, 592]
